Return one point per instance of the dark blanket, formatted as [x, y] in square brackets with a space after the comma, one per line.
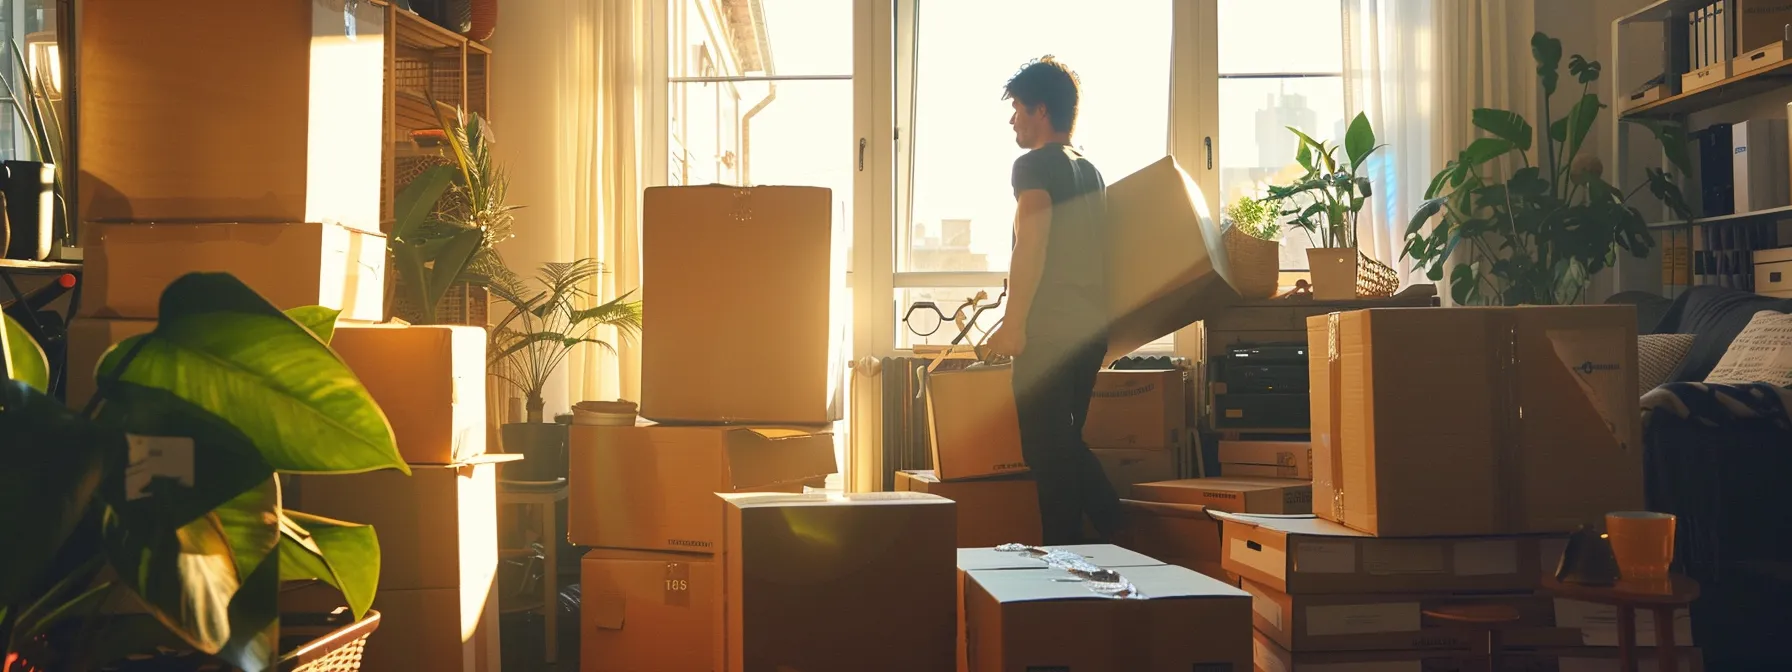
[1713, 405]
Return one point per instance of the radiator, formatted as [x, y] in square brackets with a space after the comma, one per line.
[890, 428]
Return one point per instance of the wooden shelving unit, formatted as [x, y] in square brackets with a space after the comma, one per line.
[424, 59]
[1747, 85]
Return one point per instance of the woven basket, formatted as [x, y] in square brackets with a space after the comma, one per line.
[1255, 263]
[464, 304]
[1375, 280]
[1339, 277]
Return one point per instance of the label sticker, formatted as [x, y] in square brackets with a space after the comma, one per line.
[1392, 558]
[678, 584]
[1325, 557]
[1486, 558]
[1265, 607]
[1265, 659]
[153, 457]
[1362, 619]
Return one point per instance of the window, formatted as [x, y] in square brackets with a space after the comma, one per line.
[32, 25]
[1267, 85]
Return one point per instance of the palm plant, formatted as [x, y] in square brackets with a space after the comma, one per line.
[547, 321]
[477, 194]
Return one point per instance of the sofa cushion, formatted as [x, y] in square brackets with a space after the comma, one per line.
[1715, 315]
[1657, 356]
[1762, 353]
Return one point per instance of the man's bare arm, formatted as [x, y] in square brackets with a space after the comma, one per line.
[1032, 230]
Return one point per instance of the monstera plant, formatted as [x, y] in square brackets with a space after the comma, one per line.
[152, 519]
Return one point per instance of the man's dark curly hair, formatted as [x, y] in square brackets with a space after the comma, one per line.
[1045, 81]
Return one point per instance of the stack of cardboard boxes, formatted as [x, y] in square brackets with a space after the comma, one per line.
[184, 168]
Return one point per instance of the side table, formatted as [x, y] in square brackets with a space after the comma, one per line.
[1662, 598]
[543, 496]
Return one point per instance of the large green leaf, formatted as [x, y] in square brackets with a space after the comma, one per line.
[1577, 124]
[52, 461]
[1548, 53]
[1359, 140]
[452, 260]
[222, 462]
[226, 350]
[320, 321]
[185, 577]
[1584, 71]
[1508, 126]
[1664, 188]
[255, 619]
[414, 204]
[1483, 150]
[1426, 211]
[23, 358]
[344, 555]
[1464, 284]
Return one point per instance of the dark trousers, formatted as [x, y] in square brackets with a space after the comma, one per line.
[1052, 386]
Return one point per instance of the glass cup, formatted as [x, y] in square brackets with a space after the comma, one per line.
[1642, 542]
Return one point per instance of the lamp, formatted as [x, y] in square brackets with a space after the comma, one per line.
[43, 61]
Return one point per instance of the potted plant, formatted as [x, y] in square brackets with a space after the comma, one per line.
[33, 201]
[1325, 202]
[1253, 246]
[155, 520]
[1539, 235]
[545, 323]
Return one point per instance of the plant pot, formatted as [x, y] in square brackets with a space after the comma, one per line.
[543, 447]
[30, 190]
[1334, 273]
[1256, 264]
[485, 20]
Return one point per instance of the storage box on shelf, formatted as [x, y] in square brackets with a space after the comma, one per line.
[1303, 556]
[1773, 272]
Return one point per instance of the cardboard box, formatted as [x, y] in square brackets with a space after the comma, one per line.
[1773, 277]
[1766, 56]
[653, 487]
[972, 425]
[1137, 410]
[814, 581]
[88, 340]
[1759, 164]
[1417, 429]
[1233, 494]
[991, 512]
[1379, 622]
[1270, 657]
[1178, 534]
[1018, 620]
[438, 527]
[290, 265]
[1597, 624]
[1127, 467]
[287, 128]
[1273, 459]
[990, 559]
[1305, 555]
[650, 611]
[748, 290]
[1760, 23]
[432, 629]
[1707, 76]
[1167, 268]
[430, 381]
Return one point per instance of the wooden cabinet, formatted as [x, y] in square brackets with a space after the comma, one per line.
[422, 60]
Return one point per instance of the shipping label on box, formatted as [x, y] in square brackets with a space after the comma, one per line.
[972, 422]
[1300, 555]
[1233, 494]
[1137, 410]
[991, 512]
[429, 380]
[650, 611]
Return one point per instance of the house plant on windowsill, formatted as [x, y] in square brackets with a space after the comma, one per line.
[545, 323]
[1253, 246]
[1540, 235]
[1325, 203]
[155, 518]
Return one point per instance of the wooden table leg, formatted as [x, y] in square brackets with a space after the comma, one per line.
[1627, 639]
[1664, 640]
[550, 598]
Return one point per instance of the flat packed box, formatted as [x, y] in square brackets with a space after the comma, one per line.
[430, 381]
[1306, 555]
[1273, 459]
[1597, 624]
[435, 629]
[1137, 410]
[1475, 421]
[233, 114]
[1177, 534]
[972, 424]
[653, 487]
[1124, 468]
[747, 325]
[438, 527]
[991, 512]
[643, 610]
[990, 559]
[1049, 619]
[814, 581]
[1233, 494]
[1368, 622]
[290, 265]
[88, 340]
[1167, 268]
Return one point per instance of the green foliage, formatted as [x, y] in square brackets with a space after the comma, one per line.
[1539, 236]
[223, 394]
[21, 356]
[546, 323]
[1254, 218]
[1326, 200]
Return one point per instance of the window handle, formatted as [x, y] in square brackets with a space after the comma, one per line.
[861, 155]
[1208, 142]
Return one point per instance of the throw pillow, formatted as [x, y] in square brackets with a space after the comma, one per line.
[1716, 315]
[1762, 353]
[1657, 356]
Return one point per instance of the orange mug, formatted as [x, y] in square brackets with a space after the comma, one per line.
[1642, 543]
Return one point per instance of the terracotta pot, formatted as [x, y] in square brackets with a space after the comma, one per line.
[1334, 273]
[485, 20]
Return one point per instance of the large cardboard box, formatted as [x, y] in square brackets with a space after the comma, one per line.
[972, 424]
[438, 527]
[234, 114]
[430, 381]
[88, 340]
[428, 630]
[1475, 421]
[1178, 534]
[1272, 459]
[291, 265]
[1137, 410]
[1039, 619]
[1232, 494]
[821, 582]
[1760, 23]
[653, 487]
[1166, 266]
[747, 325]
[1367, 622]
[641, 610]
[1124, 468]
[1309, 555]
[991, 512]
[1271, 657]
[990, 559]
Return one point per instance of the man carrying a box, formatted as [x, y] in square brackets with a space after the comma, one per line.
[1055, 326]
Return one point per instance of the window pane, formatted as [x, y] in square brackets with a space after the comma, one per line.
[1259, 36]
[1256, 148]
[784, 37]
[964, 151]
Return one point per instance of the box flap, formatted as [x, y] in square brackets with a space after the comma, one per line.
[1100, 555]
[607, 609]
[1305, 525]
[1155, 582]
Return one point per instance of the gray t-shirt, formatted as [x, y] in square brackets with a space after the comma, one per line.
[1071, 306]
